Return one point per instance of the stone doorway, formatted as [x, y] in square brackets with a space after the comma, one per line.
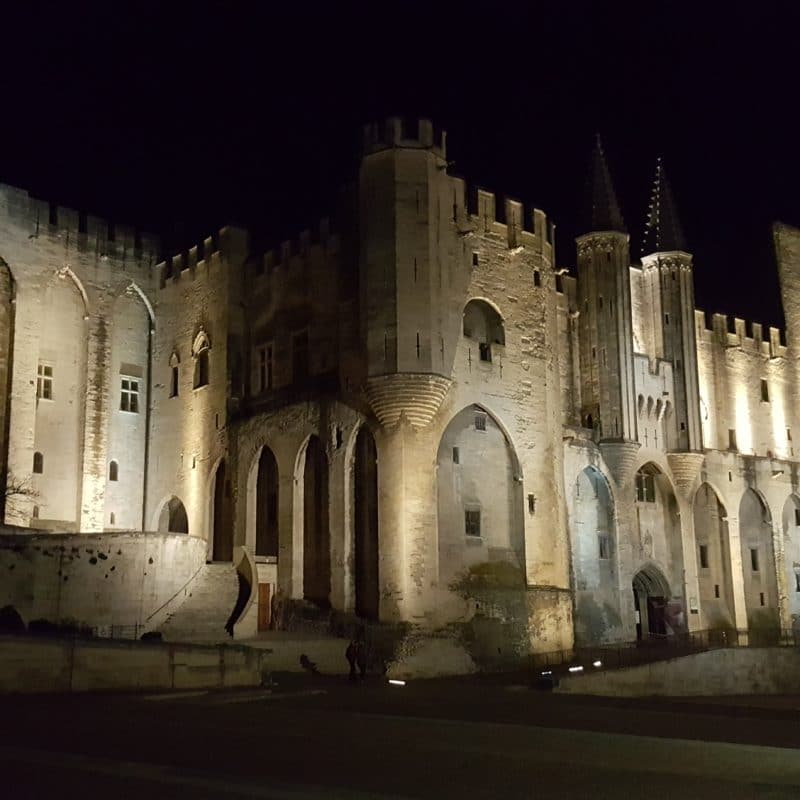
[651, 593]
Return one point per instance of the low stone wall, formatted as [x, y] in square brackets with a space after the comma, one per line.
[28, 664]
[106, 579]
[737, 670]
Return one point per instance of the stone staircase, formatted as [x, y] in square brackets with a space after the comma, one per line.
[202, 617]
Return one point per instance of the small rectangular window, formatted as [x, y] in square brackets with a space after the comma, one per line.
[764, 391]
[485, 351]
[788, 434]
[472, 522]
[480, 422]
[264, 362]
[797, 581]
[537, 278]
[704, 556]
[44, 382]
[174, 385]
[677, 364]
[761, 598]
[716, 590]
[531, 504]
[474, 259]
[129, 396]
[797, 516]
[732, 439]
[604, 546]
[666, 319]
[456, 456]
[754, 559]
[683, 426]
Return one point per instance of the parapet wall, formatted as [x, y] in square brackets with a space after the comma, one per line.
[76, 229]
[735, 332]
[98, 580]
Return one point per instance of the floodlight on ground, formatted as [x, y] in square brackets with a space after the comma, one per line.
[576, 669]
[396, 682]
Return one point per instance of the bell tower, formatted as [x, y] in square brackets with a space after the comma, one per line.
[604, 292]
[669, 282]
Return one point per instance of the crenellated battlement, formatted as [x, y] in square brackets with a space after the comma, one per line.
[479, 211]
[76, 229]
[290, 251]
[410, 134]
[735, 332]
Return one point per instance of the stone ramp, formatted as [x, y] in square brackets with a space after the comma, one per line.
[202, 617]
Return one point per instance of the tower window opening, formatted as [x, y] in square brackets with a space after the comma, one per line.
[797, 517]
[480, 422]
[35, 515]
[531, 504]
[474, 259]
[754, 559]
[603, 546]
[112, 519]
[645, 487]
[666, 319]
[472, 522]
[716, 590]
[600, 302]
[732, 439]
[113, 471]
[456, 456]
[44, 382]
[129, 395]
[201, 370]
[265, 367]
[797, 581]
[704, 556]
[788, 434]
[38, 463]
[683, 426]
[678, 364]
[418, 345]
[173, 384]
[537, 278]
[485, 350]
[761, 598]
[594, 354]
[764, 391]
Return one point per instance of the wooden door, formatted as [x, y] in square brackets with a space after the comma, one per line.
[263, 606]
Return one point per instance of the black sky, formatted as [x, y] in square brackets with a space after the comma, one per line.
[180, 118]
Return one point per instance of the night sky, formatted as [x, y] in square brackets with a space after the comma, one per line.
[179, 118]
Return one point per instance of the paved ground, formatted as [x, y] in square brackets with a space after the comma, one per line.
[322, 738]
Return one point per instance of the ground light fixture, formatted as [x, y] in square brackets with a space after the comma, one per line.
[395, 682]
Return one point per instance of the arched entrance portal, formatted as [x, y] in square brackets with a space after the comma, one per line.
[651, 594]
[316, 533]
[267, 505]
[222, 523]
[480, 506]
[173, 517]
[365, 487]
[791, 549]
[713, 559]
[594, 558]
[758, 567]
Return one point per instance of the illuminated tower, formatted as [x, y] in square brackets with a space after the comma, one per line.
[668, 282]
[606, 337]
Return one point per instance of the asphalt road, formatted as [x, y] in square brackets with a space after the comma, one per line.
[322, 738]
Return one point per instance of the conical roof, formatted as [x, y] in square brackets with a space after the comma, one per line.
[662, 231]
[603, 213]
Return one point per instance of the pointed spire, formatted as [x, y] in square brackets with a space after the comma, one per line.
[662, 231]
[603, 212]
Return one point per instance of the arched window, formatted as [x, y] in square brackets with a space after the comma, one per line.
[38, 463]
[201, 366]
[113, 471]
[485, 325]
[174, 383]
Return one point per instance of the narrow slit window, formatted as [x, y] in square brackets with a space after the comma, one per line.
[113, 471]
[754, 559]
[537, 278]
[716, 590]
[761, 598]
[531, 504]
[38, 463]
[764, 391]
[474, 259]
[704, 556]
[174, 384]
[797, 516]
[732, 439]
[456, 456]
[603, 546]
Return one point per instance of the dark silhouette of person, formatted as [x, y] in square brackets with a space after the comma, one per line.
[308, 665]
[356, 655]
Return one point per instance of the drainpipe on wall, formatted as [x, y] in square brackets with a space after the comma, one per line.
[147, 422]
